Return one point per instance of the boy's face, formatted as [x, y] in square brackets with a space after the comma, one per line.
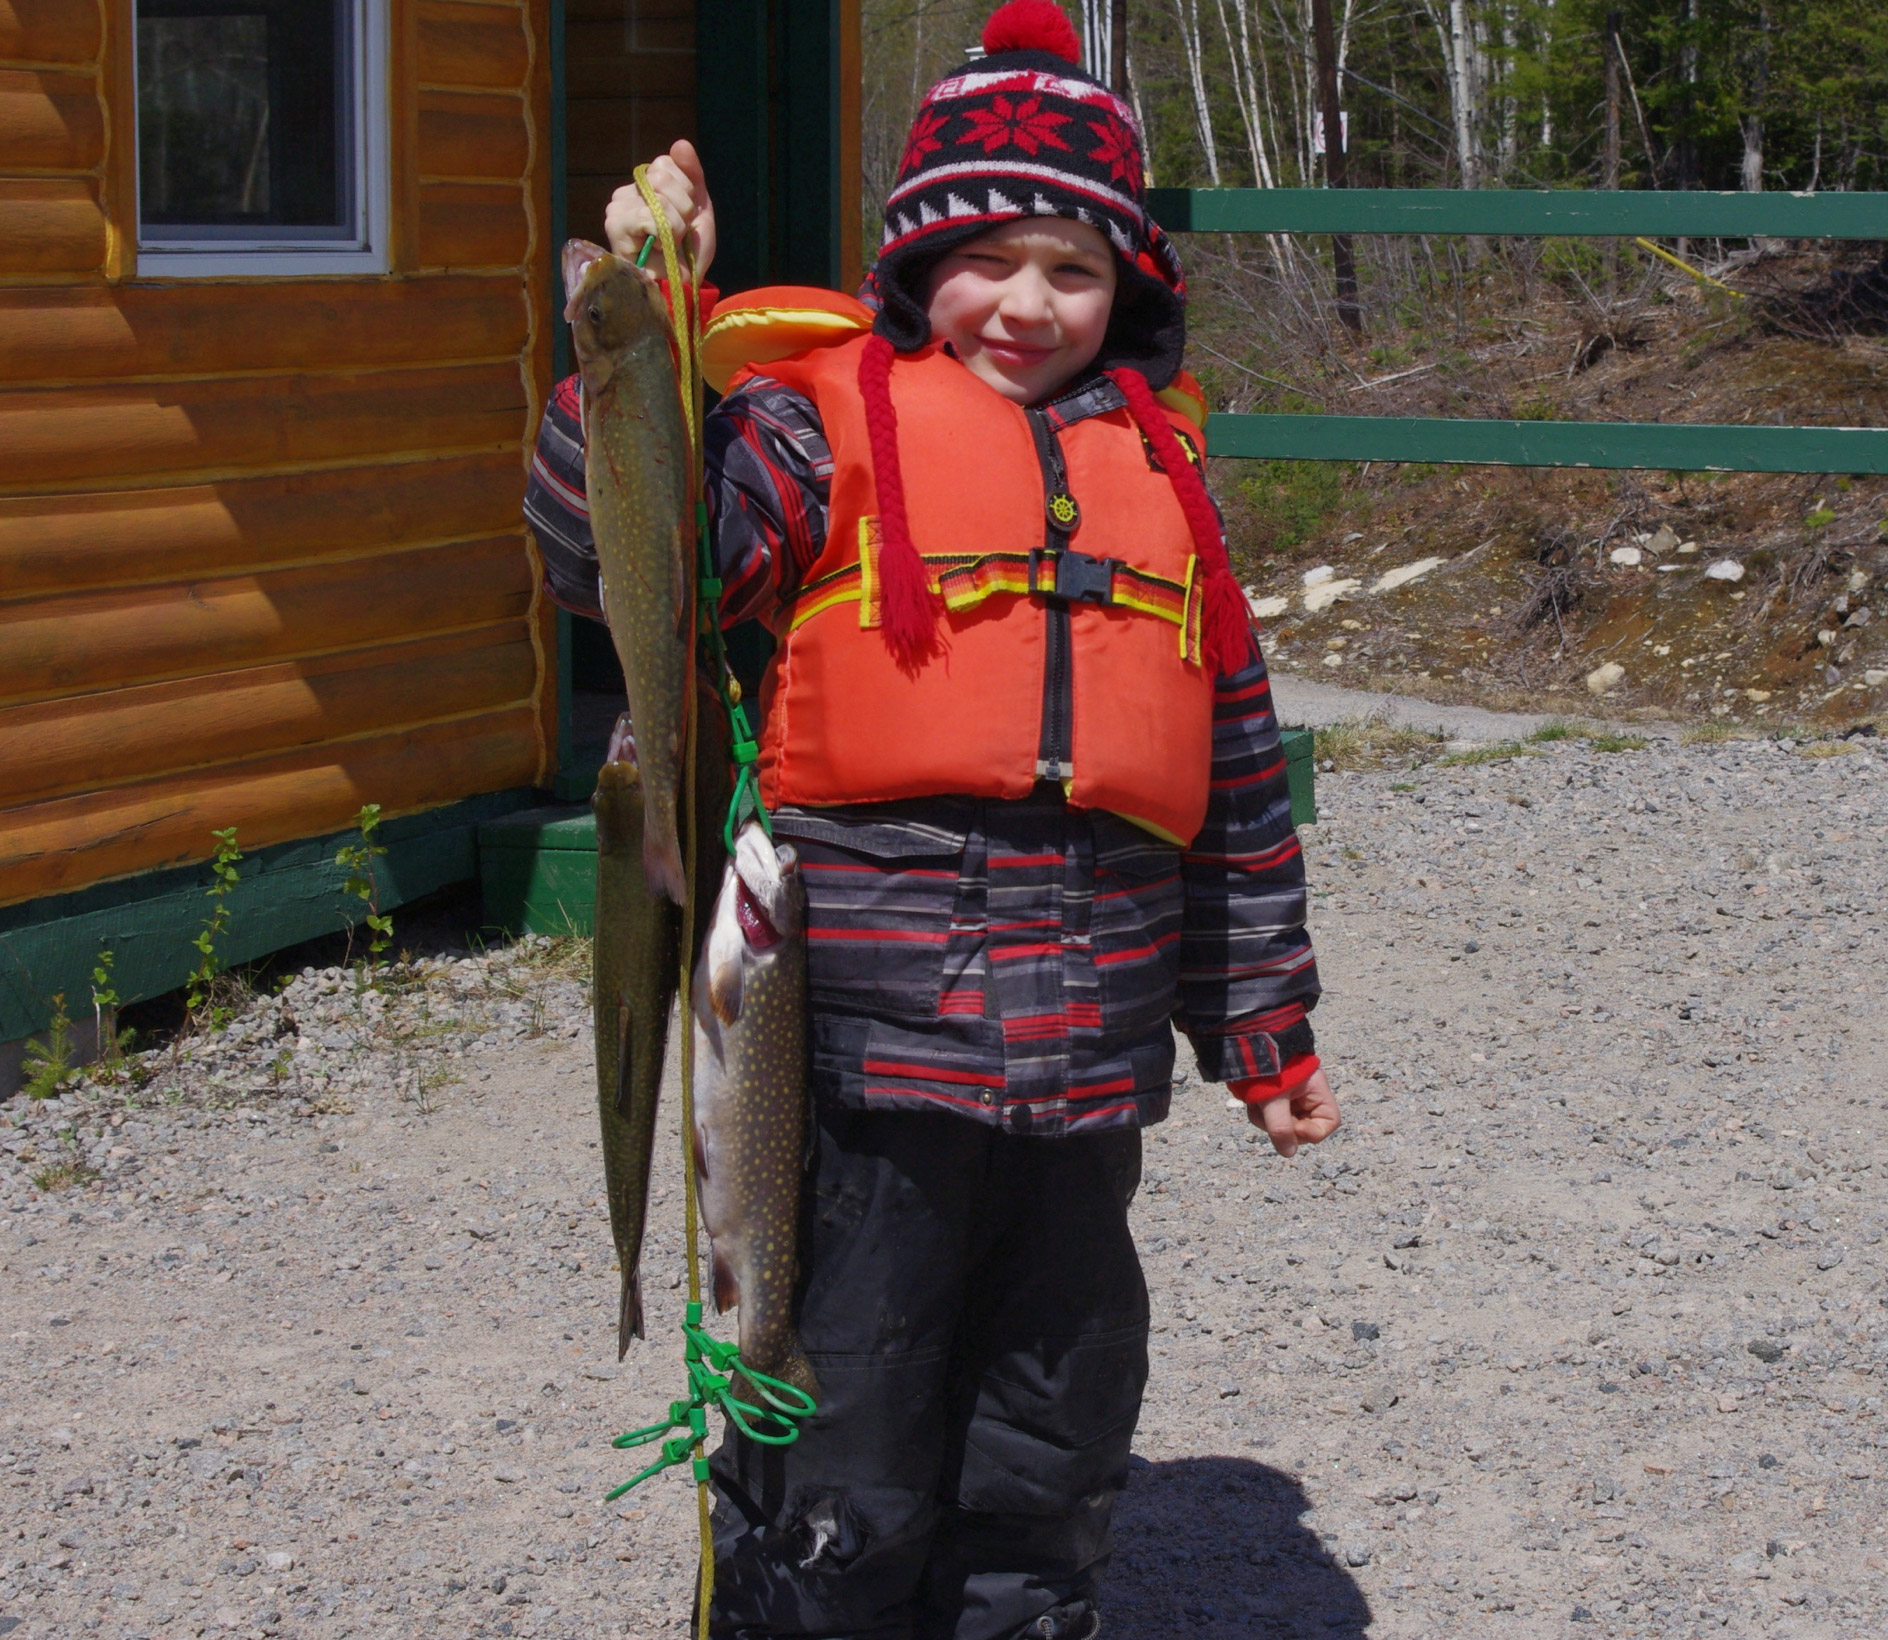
[1026, 305]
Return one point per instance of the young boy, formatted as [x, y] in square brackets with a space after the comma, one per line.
[1020, 732]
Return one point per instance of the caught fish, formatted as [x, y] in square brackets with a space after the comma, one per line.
[637, 475]
[637, 956]
[749, 1002]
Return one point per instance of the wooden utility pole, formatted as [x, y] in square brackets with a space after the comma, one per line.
[1336, 174]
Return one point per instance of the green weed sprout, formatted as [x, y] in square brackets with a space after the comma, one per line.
[105, 1005]
[357, 860]
[202, 980]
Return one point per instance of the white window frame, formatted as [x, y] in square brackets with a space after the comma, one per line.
[362, 251]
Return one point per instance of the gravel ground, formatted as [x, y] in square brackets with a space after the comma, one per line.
[1575, 1330]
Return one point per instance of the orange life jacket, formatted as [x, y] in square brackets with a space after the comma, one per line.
[1070, 645]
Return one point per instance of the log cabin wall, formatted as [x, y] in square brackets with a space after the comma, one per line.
[261, 555]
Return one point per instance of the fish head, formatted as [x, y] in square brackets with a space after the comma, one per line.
[772, 895]
[609, 303]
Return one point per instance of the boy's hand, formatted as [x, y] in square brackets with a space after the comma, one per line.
[677, 180]
[1305, 1116]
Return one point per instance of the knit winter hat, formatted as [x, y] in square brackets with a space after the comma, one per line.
[1024, 132]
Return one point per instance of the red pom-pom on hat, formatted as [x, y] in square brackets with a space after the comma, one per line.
[1032, 25]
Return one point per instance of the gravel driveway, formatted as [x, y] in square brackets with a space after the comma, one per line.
[1576, 1329]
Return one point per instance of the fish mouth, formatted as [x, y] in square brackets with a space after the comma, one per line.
[756, 927]
[622, 747]
[579, 257]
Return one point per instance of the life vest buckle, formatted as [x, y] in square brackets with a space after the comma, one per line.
[1075, 577]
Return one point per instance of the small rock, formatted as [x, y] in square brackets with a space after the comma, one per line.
[280, 1561]
[1725, 569]
[1326, 593]
[1750, 1564]
[1728, 1402]
[1334, 659]
[1829, 1258]
[1874, 679]
[1317, 577]
[1267, 609]
[1626, 557]
[1687, 548]
[1765, 1349]
[1390, 580]
[1228, 1391]
[1365, 1332]
[1661, 541]
[1603, 680]
[1758, 695]
[1357, 1554]
[505, 1475]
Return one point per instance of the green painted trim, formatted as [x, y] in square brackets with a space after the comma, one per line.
[1662, 446]
[286, 894]
[1517, 211]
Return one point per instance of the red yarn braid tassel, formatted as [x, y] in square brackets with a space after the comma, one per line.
[1226, 624]
[910, 608]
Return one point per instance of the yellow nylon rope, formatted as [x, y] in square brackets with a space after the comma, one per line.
[685, 310]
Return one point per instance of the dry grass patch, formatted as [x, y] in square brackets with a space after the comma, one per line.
[1373, 743]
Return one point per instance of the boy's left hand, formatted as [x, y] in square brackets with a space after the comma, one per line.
[1305, 1116]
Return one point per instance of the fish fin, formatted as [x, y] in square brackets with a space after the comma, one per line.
[797, 1370]
[721, 961]
[699, 1148]
[727, 1289]
[629, 1312]
[662, 863]
[625, 1022]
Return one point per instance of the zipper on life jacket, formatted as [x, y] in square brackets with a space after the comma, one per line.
[1055, 748]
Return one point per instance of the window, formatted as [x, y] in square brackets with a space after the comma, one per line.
[262, 136]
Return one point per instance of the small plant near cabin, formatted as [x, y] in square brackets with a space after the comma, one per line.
[113, 1043]
[357, 860]
[49, 1058]
[202, 981]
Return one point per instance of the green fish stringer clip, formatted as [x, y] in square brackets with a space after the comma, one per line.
[713, 1369]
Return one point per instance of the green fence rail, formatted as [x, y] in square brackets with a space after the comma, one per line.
[1623, 444]
[1525, 213]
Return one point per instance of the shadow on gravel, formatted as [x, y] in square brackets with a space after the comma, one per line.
[1214, 1547]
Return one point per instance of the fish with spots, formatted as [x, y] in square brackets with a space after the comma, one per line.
[749, 1002]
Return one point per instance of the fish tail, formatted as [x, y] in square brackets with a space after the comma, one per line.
[629, 1311]
[662, 861]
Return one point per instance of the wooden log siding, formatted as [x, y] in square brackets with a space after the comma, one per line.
[261, 557]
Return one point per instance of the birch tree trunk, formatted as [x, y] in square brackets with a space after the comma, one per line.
[1188, 12]
[1245, 86]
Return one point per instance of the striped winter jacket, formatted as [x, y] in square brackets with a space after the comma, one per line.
[1020, 963]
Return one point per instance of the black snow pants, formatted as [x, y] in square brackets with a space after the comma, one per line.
[974, 1308]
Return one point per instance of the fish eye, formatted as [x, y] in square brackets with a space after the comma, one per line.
[596, 314]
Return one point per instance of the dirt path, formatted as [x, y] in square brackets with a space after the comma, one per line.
[1577, 1329]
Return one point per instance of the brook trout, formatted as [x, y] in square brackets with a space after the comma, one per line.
[637, 955]
[642, 513]
[749, 1002]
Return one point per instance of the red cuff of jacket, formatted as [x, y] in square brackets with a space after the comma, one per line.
[1292, 1075]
